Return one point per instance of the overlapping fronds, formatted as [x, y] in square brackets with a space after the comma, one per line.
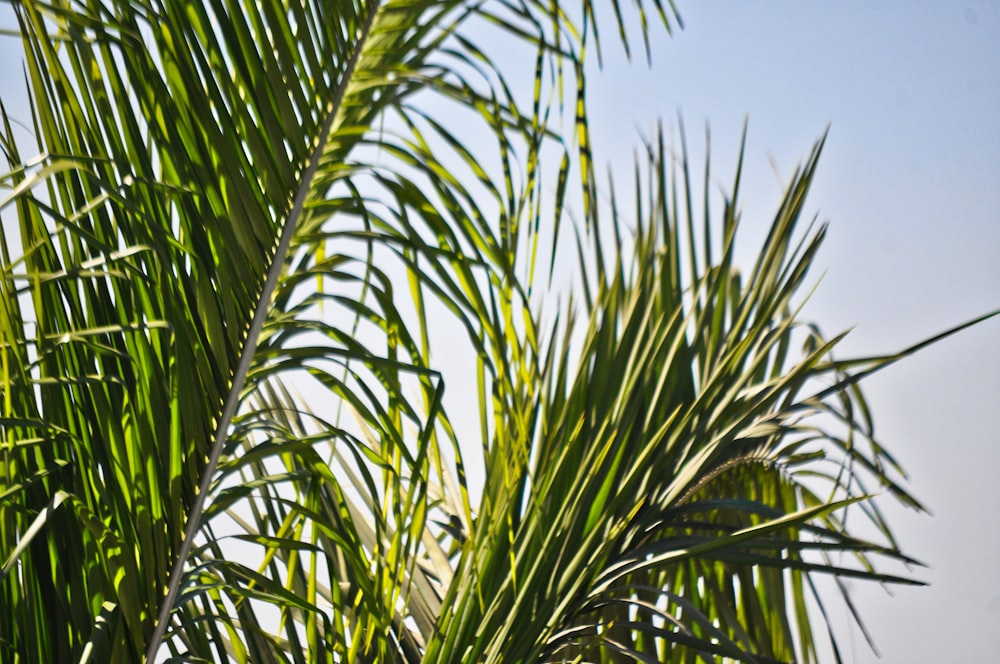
[201, 166]
[223, 424]
[688, 470]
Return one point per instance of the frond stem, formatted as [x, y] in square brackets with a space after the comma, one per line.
[253, 335]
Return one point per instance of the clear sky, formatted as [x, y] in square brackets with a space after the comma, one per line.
[910, 180]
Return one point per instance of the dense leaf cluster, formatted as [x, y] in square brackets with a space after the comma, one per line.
[225, 277]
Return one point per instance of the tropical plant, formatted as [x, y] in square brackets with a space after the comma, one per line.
[250, 235]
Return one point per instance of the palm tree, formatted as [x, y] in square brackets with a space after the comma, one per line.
[226, 300]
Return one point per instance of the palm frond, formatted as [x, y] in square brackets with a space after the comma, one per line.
[194, 159]
[680, 480]
[224, 426]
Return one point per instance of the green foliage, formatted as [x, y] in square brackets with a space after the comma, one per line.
[224, 429]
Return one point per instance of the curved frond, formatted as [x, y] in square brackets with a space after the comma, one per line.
[199, 163]
[223, 415]
[684, 475]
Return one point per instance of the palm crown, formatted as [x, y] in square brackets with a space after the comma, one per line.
[224, 429]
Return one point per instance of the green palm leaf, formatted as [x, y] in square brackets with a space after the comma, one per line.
[224, 428]
[666, 492]
[191, 156]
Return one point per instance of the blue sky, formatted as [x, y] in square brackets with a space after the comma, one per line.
[909, 181]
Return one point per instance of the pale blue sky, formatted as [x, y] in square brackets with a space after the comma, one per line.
[910, 180]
